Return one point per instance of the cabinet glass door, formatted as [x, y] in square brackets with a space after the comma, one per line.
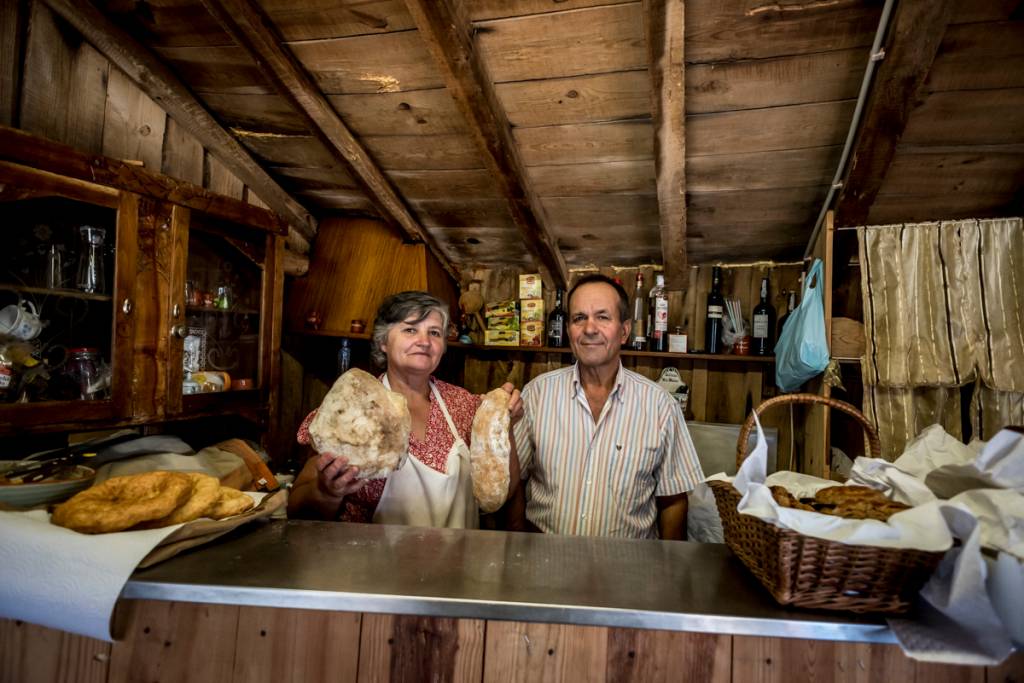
[57, 314]
[223, 295]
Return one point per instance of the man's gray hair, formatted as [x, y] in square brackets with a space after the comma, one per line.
[399, 308]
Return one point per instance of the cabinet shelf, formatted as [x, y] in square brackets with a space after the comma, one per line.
[214, 309]
[65, 293]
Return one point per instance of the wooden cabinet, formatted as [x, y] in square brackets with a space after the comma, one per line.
[104, 265]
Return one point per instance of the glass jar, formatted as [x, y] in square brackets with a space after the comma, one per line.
[91, 276]
[84, 366]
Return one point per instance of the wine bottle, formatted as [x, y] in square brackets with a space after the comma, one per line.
[657, 328]
[715, 309]
[557, 331]
[638, 337]
[764, 324]
[789, 309]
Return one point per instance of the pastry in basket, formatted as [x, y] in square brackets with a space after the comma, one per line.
[787, 499]
[149, 501]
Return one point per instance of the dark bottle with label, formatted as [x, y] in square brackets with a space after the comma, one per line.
[789, 309]
[638, 336]
[557, 332]
[763, 343]
[715, 310]
[657, 327]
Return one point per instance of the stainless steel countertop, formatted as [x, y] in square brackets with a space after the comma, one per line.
[489, 575]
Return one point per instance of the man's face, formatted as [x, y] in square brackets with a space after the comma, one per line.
[595, 332]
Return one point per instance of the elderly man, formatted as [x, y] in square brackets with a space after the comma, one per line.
[604, 451]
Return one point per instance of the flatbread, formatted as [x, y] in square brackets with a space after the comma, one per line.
[490, 450]
[365, 422]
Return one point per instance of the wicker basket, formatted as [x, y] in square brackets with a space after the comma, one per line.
[811, 572]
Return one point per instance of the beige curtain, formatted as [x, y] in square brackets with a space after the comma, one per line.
[943, 307]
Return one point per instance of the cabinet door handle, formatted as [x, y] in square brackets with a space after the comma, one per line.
[126, 306]
[179, 331]
[175, 311]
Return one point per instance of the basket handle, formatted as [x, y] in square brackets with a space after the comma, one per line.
[869, 430]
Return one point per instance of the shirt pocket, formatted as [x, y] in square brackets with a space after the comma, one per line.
[634, 466]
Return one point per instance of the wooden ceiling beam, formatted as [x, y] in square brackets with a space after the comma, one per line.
[915, 34]
[161, 84]
[250, 27]
[664, 21]
[446, 31]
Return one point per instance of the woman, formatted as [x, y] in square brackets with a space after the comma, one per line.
[433, 487]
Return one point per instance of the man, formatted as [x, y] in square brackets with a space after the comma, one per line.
[604, 451]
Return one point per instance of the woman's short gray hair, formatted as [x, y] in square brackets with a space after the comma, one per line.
[399, 308]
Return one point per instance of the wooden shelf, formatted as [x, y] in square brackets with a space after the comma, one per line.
[628, 353]
[214, 309]
[65, 293]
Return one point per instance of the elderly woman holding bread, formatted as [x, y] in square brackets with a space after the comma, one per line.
[364, 420]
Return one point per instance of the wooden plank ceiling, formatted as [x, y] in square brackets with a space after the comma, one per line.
[563, 112]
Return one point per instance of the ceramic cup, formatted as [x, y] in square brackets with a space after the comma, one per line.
[21, 321]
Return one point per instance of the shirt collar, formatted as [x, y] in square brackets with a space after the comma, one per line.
[617, 389]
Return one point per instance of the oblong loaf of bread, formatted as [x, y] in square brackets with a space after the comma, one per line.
[363, 421]
[490, 450]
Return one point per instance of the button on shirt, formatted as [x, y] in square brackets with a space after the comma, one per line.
[600, 478]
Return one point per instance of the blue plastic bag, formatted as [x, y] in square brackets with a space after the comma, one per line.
[802, 350]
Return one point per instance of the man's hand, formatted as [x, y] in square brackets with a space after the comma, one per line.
[672, 517]
[515, 404]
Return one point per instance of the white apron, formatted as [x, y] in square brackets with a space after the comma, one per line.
[418, 495]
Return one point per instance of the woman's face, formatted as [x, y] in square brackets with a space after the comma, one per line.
[415, 347]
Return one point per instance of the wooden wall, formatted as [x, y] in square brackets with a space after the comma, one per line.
[170, 642]
[56, 85]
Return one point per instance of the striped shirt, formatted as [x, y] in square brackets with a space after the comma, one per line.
[600, 478]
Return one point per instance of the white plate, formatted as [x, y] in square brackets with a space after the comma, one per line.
[29, 495]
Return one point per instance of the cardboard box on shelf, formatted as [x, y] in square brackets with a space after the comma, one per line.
[531, 310]
[506, 323]
[530, 286]
[532, 333]
[500, 309]
[501, 338]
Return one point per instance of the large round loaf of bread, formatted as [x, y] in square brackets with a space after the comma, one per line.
[363, 421]
[490, 450]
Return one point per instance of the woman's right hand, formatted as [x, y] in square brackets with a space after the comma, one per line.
[335, 477]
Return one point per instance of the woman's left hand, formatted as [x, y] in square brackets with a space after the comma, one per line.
[515, 404]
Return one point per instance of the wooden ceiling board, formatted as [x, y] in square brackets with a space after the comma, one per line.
[983, 171]
[418, 112]
[186, 23]
[422, 153]
[979, 57]
[258, 113]
[338, 200]
[592, 214]
[572, 43]
[934, 207]
[577, 99]
[979, 117]
[484, 245]
[433, 184]
[389, 62]
[726, 30]
[496, 9]
[220, 69]
[313, 178]
[730, 209]
[754, 249]
[463, 213]
[986, 10]
[776, 81]
[764, 130]
[586, 143]
[806, 167]
[303, 151]
[611, 177]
